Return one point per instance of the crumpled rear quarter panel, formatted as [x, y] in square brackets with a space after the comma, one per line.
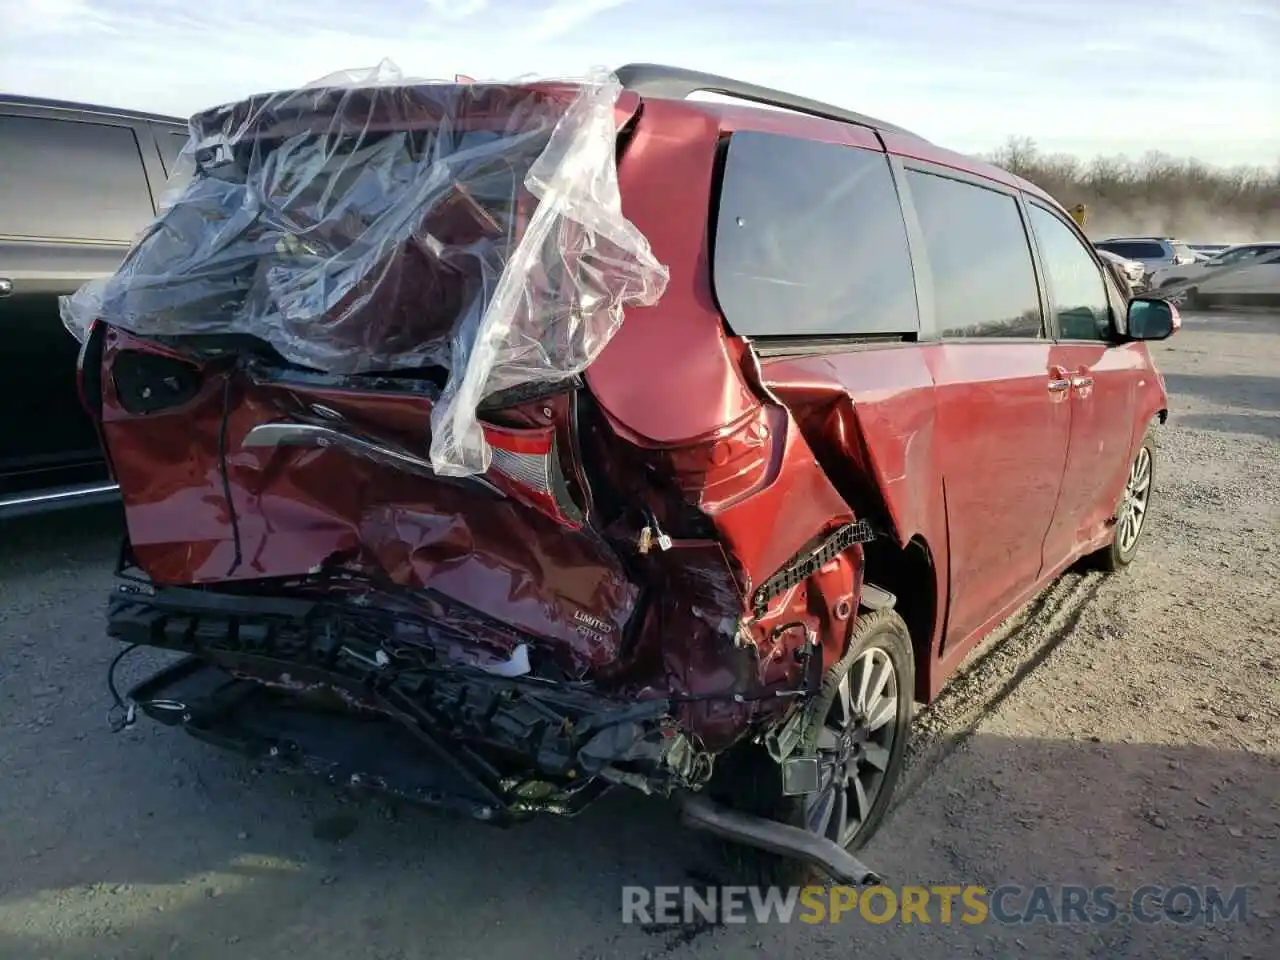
[297, 511]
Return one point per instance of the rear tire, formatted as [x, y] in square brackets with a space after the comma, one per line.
[869, 693]
[1188, 299]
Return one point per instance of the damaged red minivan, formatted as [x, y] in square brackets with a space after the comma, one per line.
[492, 445]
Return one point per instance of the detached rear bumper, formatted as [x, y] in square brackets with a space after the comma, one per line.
[301, 685]
[274, 729]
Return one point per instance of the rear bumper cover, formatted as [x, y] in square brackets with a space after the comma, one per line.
[364, 754]
[292, 684]
[277, 680]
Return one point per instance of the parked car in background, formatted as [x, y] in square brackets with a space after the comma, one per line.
[77, 183]
[1152, 252]
[1207, 250]
[1239, 255]
[717, 565]
[1130, 273]
[1244, 275]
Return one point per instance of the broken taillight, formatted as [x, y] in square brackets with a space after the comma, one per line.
[526, 467]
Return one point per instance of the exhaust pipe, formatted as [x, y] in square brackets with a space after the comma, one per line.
[838, 863]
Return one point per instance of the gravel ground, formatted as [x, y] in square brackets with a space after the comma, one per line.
[1120, 731]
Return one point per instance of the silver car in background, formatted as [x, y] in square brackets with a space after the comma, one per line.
[1246, 274]
[1132, 272]
[1238, 255]
[1207, 250]
[1152, 252]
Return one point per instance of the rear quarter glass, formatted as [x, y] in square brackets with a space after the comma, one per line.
[810, 241]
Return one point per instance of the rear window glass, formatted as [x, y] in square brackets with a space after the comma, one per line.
[984, 282]
[178, 176]
[1134, 249]
[810, 241]
[69, 180]
[171, 144]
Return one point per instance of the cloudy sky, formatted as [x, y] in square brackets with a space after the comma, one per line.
[1189, 77]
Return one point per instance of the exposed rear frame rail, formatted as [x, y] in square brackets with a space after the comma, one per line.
[676, 83]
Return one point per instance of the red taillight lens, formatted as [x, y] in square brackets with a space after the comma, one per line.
[526, 467]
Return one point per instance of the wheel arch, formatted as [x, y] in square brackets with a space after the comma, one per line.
[909, 572]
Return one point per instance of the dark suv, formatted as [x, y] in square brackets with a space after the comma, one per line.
[495, 445]
[79, 183]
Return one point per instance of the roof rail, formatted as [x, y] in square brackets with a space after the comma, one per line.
[22, 100]
[676, 83]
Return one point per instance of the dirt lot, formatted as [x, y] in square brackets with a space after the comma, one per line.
[1123, 731]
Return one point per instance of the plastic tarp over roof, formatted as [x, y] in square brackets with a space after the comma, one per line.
[368, 222]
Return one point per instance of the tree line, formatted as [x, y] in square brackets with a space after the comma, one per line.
[1155, 194]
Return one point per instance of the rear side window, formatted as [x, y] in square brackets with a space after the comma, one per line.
[810, 241]
[1133, 249]
[69, 180]
[1076, 287]
[984, 281]
[171, 144]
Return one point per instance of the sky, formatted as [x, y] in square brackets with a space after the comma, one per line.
[1186, 77]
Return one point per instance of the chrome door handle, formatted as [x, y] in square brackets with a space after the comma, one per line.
[1058, 385]
[1081, 382]
[6, 286]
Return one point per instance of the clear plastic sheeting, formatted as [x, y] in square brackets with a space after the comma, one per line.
[468, 233]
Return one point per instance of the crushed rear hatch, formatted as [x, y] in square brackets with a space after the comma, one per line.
[349, 345]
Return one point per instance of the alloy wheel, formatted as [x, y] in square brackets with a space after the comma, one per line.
[1133, 505]
[854, 747]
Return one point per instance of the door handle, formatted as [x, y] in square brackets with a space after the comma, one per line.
[1080, 382]
[6, 286]
[1058, 384]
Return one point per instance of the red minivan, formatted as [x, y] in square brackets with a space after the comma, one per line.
[494, 445]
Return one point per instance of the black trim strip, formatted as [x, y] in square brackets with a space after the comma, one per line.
[807, 563]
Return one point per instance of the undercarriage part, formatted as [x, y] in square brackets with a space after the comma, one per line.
[689, 764]
[802, 567]
[479, 728]
[782, 739]
[799, 772]
[365, 753]
[775, 837]
[877, 598]
[800, 775]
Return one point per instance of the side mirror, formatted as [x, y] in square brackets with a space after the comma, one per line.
[1150, 318]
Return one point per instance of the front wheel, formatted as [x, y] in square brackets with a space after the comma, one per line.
[1131, 513]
